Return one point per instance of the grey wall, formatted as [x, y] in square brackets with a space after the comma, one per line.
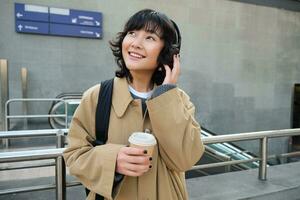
[239, 61]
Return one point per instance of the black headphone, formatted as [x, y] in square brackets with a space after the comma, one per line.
[167, 58]
[175, 47]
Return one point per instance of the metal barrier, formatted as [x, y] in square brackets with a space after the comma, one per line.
[56, 154]
[33, 133]
[26, 116]
[40, 155]
[60, 175]
[263, 136]
[7, 116]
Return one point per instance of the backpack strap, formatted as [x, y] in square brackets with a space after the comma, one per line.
[102, 117]
[103, 111]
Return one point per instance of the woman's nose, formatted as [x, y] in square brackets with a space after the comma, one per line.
[137, 43]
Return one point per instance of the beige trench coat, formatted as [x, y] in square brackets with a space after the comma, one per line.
[169, 117]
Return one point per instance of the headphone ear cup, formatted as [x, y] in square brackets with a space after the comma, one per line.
[168, 59]
[174, 50]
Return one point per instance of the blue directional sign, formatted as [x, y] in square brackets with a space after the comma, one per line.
[57, 21]
[32, 27]
[75, 17]
[31, 12]
[78, 31]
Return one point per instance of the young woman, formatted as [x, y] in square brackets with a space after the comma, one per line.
[145, 97]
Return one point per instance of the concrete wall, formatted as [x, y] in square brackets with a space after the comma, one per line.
[239, 61]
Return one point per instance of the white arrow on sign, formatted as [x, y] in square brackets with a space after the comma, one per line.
[20, 27]
[19, 15]
[97, 23]
[74, 20]
[97, 34]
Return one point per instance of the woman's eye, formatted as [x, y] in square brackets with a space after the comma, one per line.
[131, 33]
[150, 38]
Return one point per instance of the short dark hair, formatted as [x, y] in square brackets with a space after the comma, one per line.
[154, 22]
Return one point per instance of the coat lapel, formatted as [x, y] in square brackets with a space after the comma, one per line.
[121, 96]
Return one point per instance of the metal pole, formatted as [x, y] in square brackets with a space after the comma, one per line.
[60, 179]
[24, 80]
[66, 113]
[4, 95]
[60, 139]
[228, 167]
[264, 157]
[60, 174]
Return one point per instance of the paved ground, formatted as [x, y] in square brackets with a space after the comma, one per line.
[283, 183]
[73, 193]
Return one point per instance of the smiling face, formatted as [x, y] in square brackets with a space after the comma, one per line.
[140, 51]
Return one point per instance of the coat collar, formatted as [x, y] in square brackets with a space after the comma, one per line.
[121, 96]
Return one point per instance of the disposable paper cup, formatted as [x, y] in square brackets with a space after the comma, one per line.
[143, 140]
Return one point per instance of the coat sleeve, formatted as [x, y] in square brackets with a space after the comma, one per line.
[178, 133]
[93, 166]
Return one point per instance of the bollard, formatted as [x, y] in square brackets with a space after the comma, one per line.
[4, 95]
[24, 84]
[3, 90]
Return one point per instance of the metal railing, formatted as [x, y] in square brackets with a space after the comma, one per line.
[7, 116]
[33, 133]
[26, 116]
[60, 170]
[263, 136]
[60, 175]
[230, 150]
[44, 154]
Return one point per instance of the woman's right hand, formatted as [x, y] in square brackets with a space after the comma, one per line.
[172, 75]
[132, 161]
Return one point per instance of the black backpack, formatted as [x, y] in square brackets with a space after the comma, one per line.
[102, 115]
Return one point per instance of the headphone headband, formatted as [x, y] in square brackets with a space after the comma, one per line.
[178, 35]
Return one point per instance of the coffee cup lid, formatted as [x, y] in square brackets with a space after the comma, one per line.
[141, 138]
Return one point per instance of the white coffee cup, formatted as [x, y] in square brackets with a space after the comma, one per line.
[143, 140]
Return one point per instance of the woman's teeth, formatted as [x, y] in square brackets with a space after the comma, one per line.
[135, 55]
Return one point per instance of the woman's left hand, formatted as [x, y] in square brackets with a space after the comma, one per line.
[172, 75]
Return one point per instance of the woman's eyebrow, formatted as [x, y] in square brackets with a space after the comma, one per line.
[155, 33]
